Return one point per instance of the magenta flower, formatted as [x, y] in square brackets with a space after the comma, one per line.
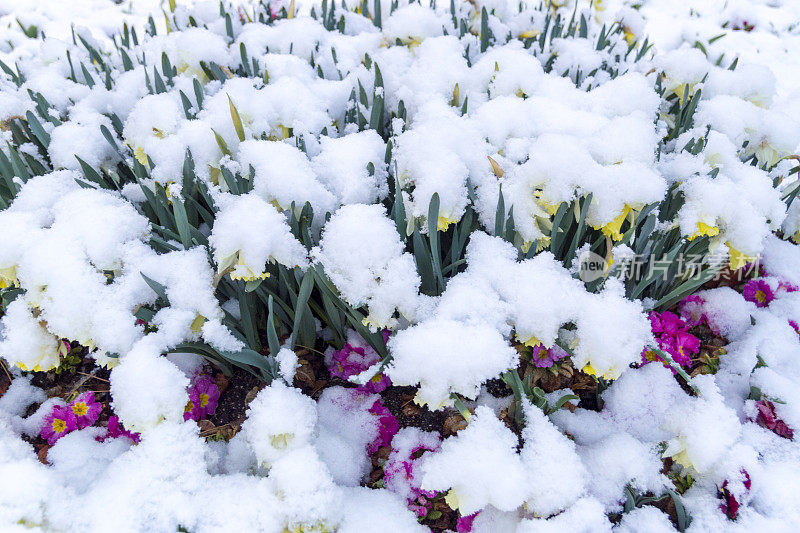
[786, 286]
[795, 326]
[544, 358]
[730, 505]
[389, 426]
[759, 292]
[115, 430]
[58, 423]
[691, 310]
[379, 383]
[666, 323]
[768, 418]
[86, 409]
[203, 397]
[673, 337]
[354, 359]
[401, 466]
[420, 508]
[464, 523]
[685, 345]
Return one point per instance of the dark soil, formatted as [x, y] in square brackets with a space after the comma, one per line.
[233, 398]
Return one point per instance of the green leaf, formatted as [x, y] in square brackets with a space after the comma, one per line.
[500, 214]
[182, 221]
[433, 238]
[561, 401]
[159, 289]
[37, 129]
[20, 170]
[377, 17]
[206, 352]
[424, 263]
[485, 31]
[247, 313]
[272, 335]
[198, 93]
[91, 174]
[399, 211]
[559, 232]
[576, 238]
[252, 285]
[252, 358]
[303, 294]
[223, 146]
[237, 121]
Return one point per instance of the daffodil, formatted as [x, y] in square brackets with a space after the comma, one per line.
[545, 204]
[140, 156]
[48, 357]
[680, 89]
[541, 243]
[614, 228]
[444, 222]
[766, 154]
[197, 324]
[598, 5]
[317, 527]
[239, 270]
[531, 341]
[630, 37]
[610, 374]
[451, 499]
[279, 133]
[447, 402]
[737, 259]
[8, 277]
[677, 450]
[376, 325]
[704, 229]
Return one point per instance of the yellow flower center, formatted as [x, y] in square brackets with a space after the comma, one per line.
[761, 297]
[203, 400]
[80, 408]
[59, 426]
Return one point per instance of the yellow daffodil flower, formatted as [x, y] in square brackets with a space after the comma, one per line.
[544, 203]
[529, 34]
[444, 222]
[48, 358]
[704, 229]
[451, 499]
[240, 270]
[197, 324]
[614, 228]
[140, 156]
[677, 450]
[8, 277]
[737, 259]
[611, 373]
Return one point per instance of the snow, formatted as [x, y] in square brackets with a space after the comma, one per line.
[479, 466]
[541, 119]
[383, 277]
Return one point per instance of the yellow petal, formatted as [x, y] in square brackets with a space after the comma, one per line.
[704, 229]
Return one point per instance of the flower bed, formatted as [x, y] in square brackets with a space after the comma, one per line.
[394, 267]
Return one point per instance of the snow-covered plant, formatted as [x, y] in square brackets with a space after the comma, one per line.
[422, 193]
